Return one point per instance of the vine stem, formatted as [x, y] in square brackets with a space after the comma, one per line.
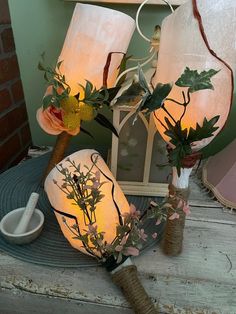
[172, 118]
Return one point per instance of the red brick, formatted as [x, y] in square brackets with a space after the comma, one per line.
[25, 135]
[9, 69]
[12, 121]
[8, 150]
[17, 91]
[4, 12]
[5, 99]
[8, 40]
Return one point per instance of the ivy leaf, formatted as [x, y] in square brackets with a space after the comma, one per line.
[206, 130]
[131, 96]
[196, 81]
[103, 121]
[159, 94]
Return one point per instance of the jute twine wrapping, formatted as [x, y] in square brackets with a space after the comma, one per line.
[127, 279]
[173, 236]
[58, 152]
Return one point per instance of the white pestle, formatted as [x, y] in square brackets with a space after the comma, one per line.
[27, 214]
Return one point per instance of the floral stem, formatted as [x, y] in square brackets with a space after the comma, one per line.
[172, 118]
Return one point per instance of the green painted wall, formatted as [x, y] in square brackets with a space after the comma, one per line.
[40, 25]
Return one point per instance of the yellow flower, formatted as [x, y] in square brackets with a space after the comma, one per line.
[87, 112]
[69, 104]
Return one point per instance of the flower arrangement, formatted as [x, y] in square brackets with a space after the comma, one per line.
[181, 139]
[84, 190]
[62, 111]
[63, 114]
[97, 220]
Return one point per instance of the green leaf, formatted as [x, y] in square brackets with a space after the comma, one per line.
[103, 121]
[47, 100]
[206, 130]
[159, 94]
[88, 89]
[41, 67]
[131, 96]
[196, 81]
[142, 80]
[59, 64]
[109, 94]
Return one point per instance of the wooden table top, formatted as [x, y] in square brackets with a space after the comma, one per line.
[202, 280]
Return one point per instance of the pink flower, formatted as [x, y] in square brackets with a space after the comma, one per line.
[181, 203]
[130, 250]
[186, 209]
[120, 247]
[154, 235]
[174, 216]
[158, 222]
[142, 235]
[92, 230]
[133, 213]
[50, 120]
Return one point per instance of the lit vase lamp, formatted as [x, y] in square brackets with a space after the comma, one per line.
[95, 44]
[93, 230]
[197, 35]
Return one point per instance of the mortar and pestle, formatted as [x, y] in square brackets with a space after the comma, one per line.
[23, 225]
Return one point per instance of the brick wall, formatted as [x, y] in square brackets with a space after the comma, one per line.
[15, 136]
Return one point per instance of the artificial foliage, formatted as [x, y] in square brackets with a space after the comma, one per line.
[149, 99]
[84, 106]
[83, 188]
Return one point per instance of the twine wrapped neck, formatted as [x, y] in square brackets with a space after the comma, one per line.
[173, 237]
[126, 278]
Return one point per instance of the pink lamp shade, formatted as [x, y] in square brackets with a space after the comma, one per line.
[108, 210]
[201, 35]
[95, 44]
[219, 175]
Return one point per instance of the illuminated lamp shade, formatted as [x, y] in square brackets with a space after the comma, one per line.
[197, 36]
[95, 44]
[105, 218]
[113, 205]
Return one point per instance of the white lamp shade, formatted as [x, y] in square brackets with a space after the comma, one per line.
[108, 210]
[182, 45]
[94, 33]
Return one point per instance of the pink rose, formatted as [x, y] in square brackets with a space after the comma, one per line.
[50, 120]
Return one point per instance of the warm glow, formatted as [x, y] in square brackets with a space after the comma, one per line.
[93, 34]
[107, 217]
[182, 45]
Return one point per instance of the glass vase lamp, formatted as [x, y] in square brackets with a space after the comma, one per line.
[87, 68]
[197, 53]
